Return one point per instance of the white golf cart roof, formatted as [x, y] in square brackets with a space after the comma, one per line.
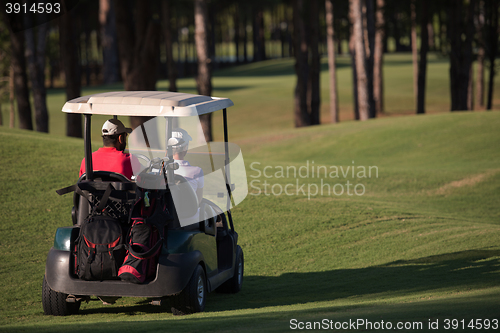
[146, 103]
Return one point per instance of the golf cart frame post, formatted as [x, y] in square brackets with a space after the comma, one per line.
[227, 171]
[87, 141]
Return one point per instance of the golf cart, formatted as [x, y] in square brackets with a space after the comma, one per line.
[197, 249]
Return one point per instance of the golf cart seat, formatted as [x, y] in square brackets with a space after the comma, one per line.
[189, 209]
[119, 203]
[107, 176]
[208, 219]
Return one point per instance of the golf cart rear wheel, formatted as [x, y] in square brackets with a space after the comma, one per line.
[54, 303]
[234, 284]
[192, 299]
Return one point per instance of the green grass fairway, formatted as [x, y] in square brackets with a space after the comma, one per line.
[415, 242]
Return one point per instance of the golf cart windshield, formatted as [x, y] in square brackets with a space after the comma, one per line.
[172, 151]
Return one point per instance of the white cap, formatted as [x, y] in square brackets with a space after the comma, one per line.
[113, 127]
[179, 140]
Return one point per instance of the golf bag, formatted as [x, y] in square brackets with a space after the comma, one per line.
[99, 249]
[144, 244]
[146, 236]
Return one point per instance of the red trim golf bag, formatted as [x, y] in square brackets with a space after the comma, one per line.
[144, 246]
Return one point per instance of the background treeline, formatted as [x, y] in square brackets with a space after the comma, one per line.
[140, 42]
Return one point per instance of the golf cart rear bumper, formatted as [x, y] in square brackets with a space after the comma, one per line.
[173, 274]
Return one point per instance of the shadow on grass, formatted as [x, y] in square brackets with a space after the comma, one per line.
[475, 269]
[455, 272]
[270, 68]
[419, 315]
[391, 62]
[459, 271]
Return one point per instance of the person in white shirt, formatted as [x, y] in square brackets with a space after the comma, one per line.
[193, 174]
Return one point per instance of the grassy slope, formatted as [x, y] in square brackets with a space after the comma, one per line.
[422, 243]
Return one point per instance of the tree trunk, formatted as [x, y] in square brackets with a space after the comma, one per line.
[361, 72]
[330, 39]
[443, 42]
[255, 33]
[12, 115]
[204, 78]
[236, 22]
[352, 52]
[167, 30]
[370, 29]
[259, 48]
[414, 49]
[480, 77]
[138, 48]
[493, 32]
[245, 38]
[35, 54]
[71, 68]
[18, 64]
[397, 33]
[126, 40]
[289, 37]
[314, 99]
[85, 51]
[212, 26]
[283, 32]
[470, 90]
[378, 79]
[424, 47]
[261, 35]
[107, 21]
[301, 66]
[430, 32]
[480, 54]
[461, 53]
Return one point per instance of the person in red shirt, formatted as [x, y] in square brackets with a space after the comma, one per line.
[111, 156]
